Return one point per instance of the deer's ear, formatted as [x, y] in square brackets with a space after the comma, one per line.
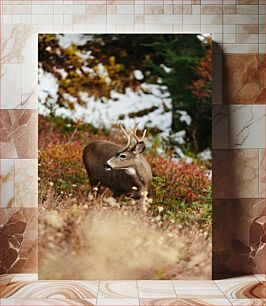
[139, 148]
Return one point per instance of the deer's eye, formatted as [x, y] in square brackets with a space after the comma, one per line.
[122, 156]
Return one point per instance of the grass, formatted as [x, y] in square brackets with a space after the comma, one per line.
[178, 213]
[183, 190]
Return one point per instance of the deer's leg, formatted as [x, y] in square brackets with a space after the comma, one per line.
[143, 201]
[94, 189]
[102, 195]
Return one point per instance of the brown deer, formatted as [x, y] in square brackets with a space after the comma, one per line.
[122, 169]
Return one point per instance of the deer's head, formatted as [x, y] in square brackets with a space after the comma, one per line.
[127, 157]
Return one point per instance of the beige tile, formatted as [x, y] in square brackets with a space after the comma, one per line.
[111, 9]
[247, 29]
[139, 28]
[29, 82]
[247, 126]
[4, 280]
[42, 19]
[7, 19]
[191, 19]
[10, 86]
[59, 19]
[211, 19]
[262, 9]
[117, 302]
[197, 289]
[163, 19]
[139, 9]
[155, 289]
[120, 19]
[80, 19]
[192, 28]
[240, 19]
[26, 188]
[68, 19]
[229, 29]
[25, 277]
[154, 9]
[211, 2]
[178, 28]
[79, 28]
[6, 9]
[210, 28]
[183, 302]
[247, 1]
[178, 9]
[262, 48]
[125, 28]
[125, 9]
[247, 38]
[7, 183]
[196, 9]
[19, 44]
[53, 290]
[117, 290]
[229, 9]
[139, 19]
[248, 302]
[247, 9]
[212, 9]
[168, 9]
[229, 38]
[21, 9]
[241, 288]
[43, 9]
[48, 302]
[96, 9]
[260, 277]
[79, 9]
[262, 38]
[187, 9]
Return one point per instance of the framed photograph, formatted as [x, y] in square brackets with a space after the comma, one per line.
[124, 156]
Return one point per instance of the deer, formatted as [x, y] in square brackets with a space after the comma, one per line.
[123, 169]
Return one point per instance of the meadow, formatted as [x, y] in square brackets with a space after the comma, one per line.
[169, 239]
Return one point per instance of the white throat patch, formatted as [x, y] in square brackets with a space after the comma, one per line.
[130, 171]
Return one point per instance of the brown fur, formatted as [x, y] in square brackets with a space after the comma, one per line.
[96, 154]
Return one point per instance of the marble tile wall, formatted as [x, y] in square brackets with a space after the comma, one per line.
[18, 233]
[238, 30]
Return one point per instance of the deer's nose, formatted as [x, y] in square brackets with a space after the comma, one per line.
[107, 166]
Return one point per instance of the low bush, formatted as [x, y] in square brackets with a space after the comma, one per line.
[181, 192]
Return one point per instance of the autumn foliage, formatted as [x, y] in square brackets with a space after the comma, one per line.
[180, 188]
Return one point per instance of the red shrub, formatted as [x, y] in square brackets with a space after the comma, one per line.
[185, 182]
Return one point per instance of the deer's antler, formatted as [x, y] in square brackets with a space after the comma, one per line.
[133, 132]
[128, 136]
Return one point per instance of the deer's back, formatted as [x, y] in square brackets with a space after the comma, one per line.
[95, 155]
